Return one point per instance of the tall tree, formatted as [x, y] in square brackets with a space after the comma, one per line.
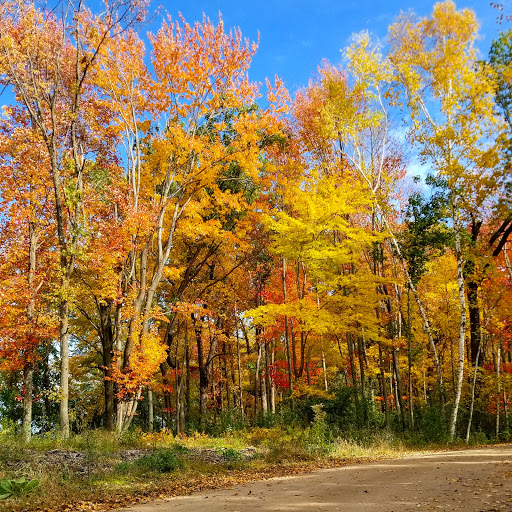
[27, 267]
[450, 103]
[47, 61]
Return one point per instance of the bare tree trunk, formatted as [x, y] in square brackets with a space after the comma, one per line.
[64, 367]
[473, 388]
[107, 347]
[180, 406]
[462, 323]
[286, 332]
[263, 384]
[205, 372]
[326, 387]
[409, 358]
[353, 370]
[472, 295]
[26, 426]
[505, 408]
[268, 384]
[187, 375]
[384, 387]
[257, 383]
[228, 383]
[28, 366]
[239, 364]
[150, 410]
[180, 420]
[399, 390]
[272, 385]
[130, 410]
[120, 413]
[361, 354]
[498, 393]
[507, 260]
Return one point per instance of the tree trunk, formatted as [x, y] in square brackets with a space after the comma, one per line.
[384, 387]
[472, 294]
[360, 355]
[187, 374]
[64, 367]
[107, 345]
[399, 390]
[263, 379]
[28, 366]
[257, 386]
[473, 388]
[462, 322]
[474, 316]
[47, 425]
[180, 420]
[286, 332]
[150, 410]
[239, 368]
[498, 393]
[26, 426]
[326, 387]
[205, 371]
[180, 405]
[227, 378]
[353, 371]
[409, 358]
[268, 383]
[271, 383]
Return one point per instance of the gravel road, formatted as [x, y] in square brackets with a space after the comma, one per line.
[475, 480]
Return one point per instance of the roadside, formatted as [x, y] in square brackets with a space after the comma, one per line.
[104, 473]
[477, 480]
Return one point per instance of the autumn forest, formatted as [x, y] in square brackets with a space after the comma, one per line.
[184, 249]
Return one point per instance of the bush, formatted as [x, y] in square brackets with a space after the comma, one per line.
[163, 461]
[432, 422]
[231, 455]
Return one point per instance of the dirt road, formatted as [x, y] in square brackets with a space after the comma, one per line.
[478, 480]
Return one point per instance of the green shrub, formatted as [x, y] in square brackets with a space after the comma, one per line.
[179, 448]
[163, 461]
[432, 423]
[232, 455]
[123, 467]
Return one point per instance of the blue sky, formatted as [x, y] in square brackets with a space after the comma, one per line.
[295, 35]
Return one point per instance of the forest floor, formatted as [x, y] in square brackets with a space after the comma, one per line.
[470, 480]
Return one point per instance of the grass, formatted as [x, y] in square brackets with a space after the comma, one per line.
[166, 466]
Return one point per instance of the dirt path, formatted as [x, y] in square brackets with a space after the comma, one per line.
[478, 480]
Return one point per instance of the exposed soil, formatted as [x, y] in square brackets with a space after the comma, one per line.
[476, 480]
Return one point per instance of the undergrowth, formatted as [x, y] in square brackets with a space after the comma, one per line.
[165, 459]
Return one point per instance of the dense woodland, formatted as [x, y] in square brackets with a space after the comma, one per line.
[185, 249]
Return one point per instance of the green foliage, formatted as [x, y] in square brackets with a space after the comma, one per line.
[319, 436]
[431, 424]
[11, 488]
[179, 449]
[341, 410]
[426, 233]
[500, 59]
[231, 455]
[162, 461]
